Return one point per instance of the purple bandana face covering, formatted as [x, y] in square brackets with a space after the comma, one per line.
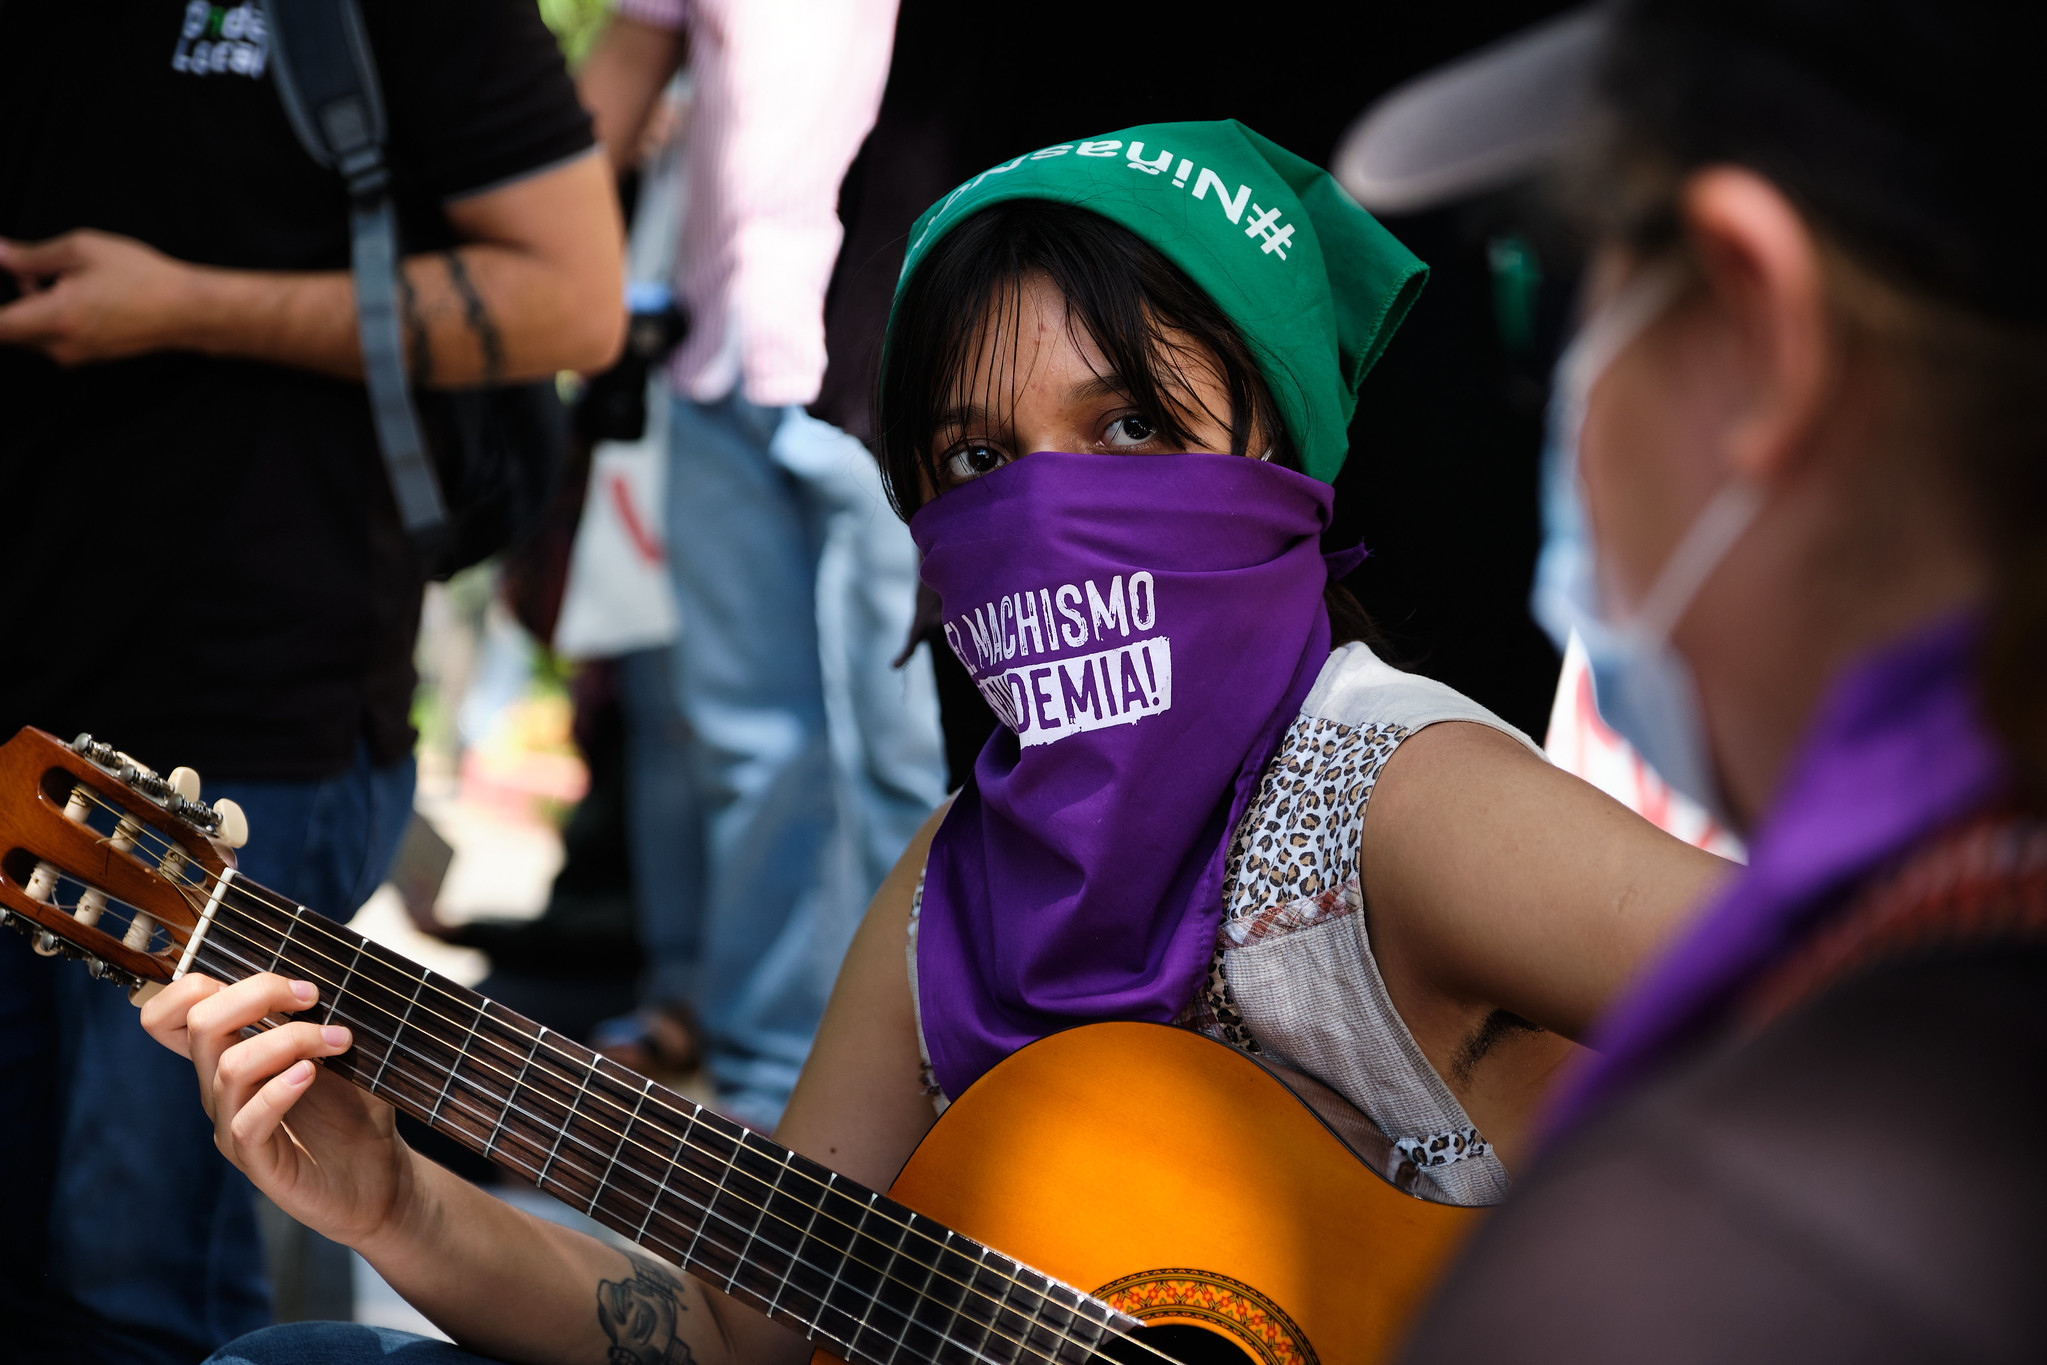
[1146, 627]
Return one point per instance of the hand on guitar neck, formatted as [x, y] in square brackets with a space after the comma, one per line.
[328, 1154]
[361, 1180]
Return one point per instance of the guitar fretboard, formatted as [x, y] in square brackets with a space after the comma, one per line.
[851, 1269]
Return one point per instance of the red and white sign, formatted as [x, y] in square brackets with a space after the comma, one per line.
[1580, 742]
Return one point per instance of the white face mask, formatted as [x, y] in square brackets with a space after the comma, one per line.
[1643, 685]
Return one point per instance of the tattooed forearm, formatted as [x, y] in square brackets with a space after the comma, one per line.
[488, 338]
[416, 335]
[642, 1315]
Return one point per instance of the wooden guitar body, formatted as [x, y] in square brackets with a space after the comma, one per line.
[1187, 1186]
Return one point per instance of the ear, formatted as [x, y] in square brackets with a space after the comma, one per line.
[1761, 268]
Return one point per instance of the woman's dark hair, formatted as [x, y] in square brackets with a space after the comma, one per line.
[1153, 325]
[1119, 291]
[1875, 130]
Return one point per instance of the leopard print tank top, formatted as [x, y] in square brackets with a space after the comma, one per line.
[1293, 978]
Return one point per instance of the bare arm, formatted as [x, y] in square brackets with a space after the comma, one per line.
[499, 1281]
[1497, 885]
[622, 77]
[535, 287]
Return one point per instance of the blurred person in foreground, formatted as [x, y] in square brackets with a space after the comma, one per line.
[776, 719]
[1805, 407]
[205, 547]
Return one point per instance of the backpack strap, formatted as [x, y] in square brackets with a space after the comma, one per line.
[327, 81]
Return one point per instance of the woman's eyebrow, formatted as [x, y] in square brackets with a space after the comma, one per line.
[963, 415]
[1101, 386]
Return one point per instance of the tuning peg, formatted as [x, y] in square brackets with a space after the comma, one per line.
[127, 760]
[234, 826]
[185, 783]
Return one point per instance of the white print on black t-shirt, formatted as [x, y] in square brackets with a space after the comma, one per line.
[1273, 236]
[220, 40]
[1047, 699]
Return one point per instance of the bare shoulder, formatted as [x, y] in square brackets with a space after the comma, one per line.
[1507, 880]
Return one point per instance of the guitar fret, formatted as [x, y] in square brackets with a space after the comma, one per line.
[1085, 1343]
[291, 924]
[841, 1257]
[766, 1203]
[796, 1262]
[455, 1067]
[881, 1280]
[1020, 1280]
[625, 1135]
[839, 1271]
[568, 1120]
[910, 1321]
[1037, 1319]
[391, 1047]
[909, 1314]
[334, 1001]
[1068, 1301]
[988, 1328]
[512, 1095]
[710, 1206]
[999, 1304]
[760, 1214]
[950, 1311]
[654, 1204]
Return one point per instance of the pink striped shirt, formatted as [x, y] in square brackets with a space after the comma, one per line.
[784, 92]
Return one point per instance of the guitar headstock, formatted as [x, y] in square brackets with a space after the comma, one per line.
[103, 859]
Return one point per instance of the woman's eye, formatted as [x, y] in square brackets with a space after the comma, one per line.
[1130, 431]
[972, 461]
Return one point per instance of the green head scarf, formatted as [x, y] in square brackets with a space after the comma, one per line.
[1315, 285]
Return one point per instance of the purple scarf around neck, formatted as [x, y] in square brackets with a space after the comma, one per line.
[1896, 753]
[1146, 627]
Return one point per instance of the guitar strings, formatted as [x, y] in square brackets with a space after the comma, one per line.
[999, 1303]
[247, 892]
[652, 1206]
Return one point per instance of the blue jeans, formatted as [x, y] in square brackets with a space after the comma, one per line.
[781, 766]
[340, 1343]
[134, 1240]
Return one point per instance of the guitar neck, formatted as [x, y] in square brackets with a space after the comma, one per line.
[849, 1268]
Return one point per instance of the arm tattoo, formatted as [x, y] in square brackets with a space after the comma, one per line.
[415, 332]
[641, 1315]
[479, 319]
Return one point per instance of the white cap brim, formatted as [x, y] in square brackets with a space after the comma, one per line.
[1503, 114]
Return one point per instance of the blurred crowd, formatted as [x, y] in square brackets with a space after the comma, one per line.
[645, 261]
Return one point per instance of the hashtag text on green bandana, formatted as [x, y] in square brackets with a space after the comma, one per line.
[1313, 282]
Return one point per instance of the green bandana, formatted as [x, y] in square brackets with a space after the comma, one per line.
[1315, 285]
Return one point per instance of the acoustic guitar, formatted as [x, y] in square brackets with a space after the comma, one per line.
[1130, 1192]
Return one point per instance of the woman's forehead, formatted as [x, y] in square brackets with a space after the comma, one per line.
[1028, 334]
[1029, 337]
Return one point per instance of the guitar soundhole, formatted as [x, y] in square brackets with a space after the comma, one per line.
[1181, 1343]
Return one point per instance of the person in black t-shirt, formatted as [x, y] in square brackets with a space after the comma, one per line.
[205, 564]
